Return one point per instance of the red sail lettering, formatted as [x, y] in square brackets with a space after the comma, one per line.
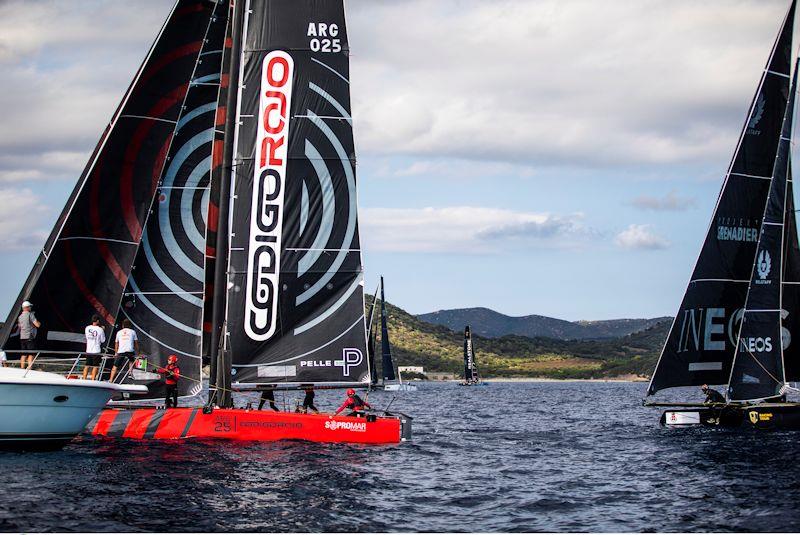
[277, 60]
[273, 144]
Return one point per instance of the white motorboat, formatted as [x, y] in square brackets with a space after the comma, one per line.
[43, 410]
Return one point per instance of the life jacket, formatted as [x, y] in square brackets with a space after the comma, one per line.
[172, 372]
[355, 403]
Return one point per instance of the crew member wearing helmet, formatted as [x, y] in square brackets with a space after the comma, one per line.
[171, 374]
[354, 403]
[712, 396]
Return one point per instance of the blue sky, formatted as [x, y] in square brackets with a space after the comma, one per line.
[546, 157]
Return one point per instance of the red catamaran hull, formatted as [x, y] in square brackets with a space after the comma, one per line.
[241, 424]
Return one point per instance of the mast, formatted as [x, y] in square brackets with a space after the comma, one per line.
[702, 340]
[758, 370]
[386, 348]
[221, 374]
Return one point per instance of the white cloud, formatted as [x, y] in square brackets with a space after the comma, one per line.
[640, 237]
[21, 220]
[670, 202]
[467, 230]
[557, 82]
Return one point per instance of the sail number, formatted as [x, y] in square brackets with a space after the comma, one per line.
[323, 37]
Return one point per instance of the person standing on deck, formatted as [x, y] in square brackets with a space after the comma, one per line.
[28, 327]
[712, 396]
[354, 403]
[95, 338]
[126, 346]
[268, 395]
[171, 375]
[308, 400]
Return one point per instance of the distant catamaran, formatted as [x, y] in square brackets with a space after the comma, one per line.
[739, 322]
[218, 214]
[391, 381]
[471, 377]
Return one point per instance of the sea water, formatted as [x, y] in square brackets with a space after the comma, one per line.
[505, 457]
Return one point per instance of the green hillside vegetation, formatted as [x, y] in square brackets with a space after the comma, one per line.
[439, 349]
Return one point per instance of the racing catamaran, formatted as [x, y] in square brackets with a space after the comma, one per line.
[219, 215]
[741, 310]
[471, 377]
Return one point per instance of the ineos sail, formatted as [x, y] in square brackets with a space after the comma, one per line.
[85, 265]
[702, 340]
[295, 307]
[758, 371]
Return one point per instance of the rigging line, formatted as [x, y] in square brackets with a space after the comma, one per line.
[777, 73]
[752, 176]
[720, 280]
[92, 238]
[147, 117]
[762, 367]
[163, 293]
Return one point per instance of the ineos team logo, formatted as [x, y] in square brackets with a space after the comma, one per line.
[266, 217]
[351, 358]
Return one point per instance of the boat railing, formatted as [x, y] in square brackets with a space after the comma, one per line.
[69, 364]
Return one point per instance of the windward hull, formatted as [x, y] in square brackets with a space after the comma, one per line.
[248, 425]
[779, 416]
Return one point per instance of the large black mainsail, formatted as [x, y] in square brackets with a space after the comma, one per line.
[85, 265]
[757, 371]
[164, 295]
[295, 306]
[371, 336]
[387, 364]
[702, 340]
[470, 375]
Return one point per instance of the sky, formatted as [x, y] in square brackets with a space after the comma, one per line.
[554, 157]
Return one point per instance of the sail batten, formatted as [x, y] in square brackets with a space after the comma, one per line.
[707, 323]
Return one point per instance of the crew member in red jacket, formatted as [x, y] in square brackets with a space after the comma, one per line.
[171, 375]
[354, 403]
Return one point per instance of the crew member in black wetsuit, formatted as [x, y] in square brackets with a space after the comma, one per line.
[308, 401]
[268, 395]
[712, 396]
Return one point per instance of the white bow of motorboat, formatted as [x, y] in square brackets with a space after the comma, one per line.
[43, 410]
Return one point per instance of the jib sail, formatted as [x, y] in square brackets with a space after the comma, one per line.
[295, 307]
[470, 374]
[387, 363]
[86, 262]
[790, 333]
[702, 340]
[757, 371]
[164, 295]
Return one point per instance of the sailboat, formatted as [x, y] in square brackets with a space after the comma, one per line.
[471, 377]
[739, 321]
[218, 214]
[389, 376]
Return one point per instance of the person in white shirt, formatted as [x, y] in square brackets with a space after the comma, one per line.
[95, 337]
[126, 346]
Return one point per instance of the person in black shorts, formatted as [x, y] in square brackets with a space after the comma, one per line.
[308, 400]
[28, 326]
[126, 347]
[95, 337]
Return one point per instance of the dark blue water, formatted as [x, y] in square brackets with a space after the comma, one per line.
[507, 457]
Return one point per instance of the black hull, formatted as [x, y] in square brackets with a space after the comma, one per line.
[779, 416]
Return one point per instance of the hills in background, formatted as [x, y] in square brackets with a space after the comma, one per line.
[491, 324]
[416, 342]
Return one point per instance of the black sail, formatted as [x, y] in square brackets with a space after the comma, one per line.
[371, 335]
[701, 342]
[469, 357]
[387, 364]
[164, 295]
[295, 305]
[86, 262]
[791, 289]
[757, 371]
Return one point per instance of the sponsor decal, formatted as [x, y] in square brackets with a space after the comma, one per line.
[266, 216]
[737, 229]
[763, 267]
[707, 329]
[351, 358]
[272, 425]
[356, 427]
[756, 417]
[758, 113]
[756, 344]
